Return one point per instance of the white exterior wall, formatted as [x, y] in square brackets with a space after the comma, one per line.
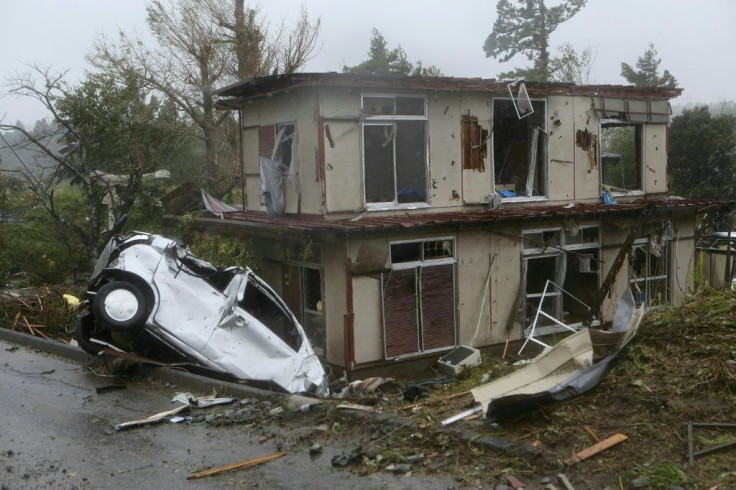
[573, 173]
[561, 149]
[301, 109]
[586, 184]
[655, 159]
[334, 300]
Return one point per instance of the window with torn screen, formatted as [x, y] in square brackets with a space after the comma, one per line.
[394, 149]
[519, 150]
[570, 259]
[275, 141]
[621, 155]
[419, 297]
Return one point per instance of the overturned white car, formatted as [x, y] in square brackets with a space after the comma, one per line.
[151, 296]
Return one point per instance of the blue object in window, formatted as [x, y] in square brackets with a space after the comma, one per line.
[607, 198]
[506, 193]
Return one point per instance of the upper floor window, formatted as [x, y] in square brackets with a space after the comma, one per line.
[394, 149]
[519, 149]
[275, 141]
[621, 155]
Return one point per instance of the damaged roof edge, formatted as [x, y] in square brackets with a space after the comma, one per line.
[319, 227]
[252, 87]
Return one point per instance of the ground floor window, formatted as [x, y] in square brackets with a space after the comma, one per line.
[302, 291]
[418, 296]
[561, 272]
[649, 271]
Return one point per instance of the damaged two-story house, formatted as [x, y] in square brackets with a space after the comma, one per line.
[400, 217]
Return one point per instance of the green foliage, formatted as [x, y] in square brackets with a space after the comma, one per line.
[47, 251]
[526, 30]
[382, 61]
[623, 171]
[124, 130]
[219, 250]
[664, 474]
[647, 72]
[702, 156]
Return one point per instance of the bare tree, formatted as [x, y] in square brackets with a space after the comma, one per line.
[203, 44]
[573, 66]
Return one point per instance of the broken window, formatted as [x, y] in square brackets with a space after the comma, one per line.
[570, 260]
[419, 297]
[474, 143]
[395, 149]
[519, 149]
[649, 271]
[276, 150]
[259, 303]
[621, 155]
[275, 142]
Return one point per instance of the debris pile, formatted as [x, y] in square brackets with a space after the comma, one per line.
[41, 312]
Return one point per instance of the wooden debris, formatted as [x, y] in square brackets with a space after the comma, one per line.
[514, 482]
[234, 466]
[592, 433]
[596, 448]
[436, 400]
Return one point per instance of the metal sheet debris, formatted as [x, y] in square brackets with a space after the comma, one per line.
[201, 401]
[151, 296]
[569, 368]
[153, 419]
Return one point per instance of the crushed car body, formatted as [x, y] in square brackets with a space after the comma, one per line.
[150, 295]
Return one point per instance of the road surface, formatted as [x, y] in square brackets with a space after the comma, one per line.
[56, 431]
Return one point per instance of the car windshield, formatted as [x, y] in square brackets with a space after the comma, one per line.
[259, 303]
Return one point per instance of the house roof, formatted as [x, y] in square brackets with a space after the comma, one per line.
[370, 223]
[271, 85]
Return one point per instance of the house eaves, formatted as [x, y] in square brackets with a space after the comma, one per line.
[319, 227]
[275, 84]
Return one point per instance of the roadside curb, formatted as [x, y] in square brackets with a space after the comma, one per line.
[162, 374]
[204, 384]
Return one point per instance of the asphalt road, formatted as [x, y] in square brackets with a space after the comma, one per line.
[56, 431]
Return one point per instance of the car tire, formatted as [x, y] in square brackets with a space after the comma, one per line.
[120, 305]
[84, 332]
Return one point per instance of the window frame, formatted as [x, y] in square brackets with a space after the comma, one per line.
[559, 252]
[390, 120]
[641, 127]
[645, 244]
[418, 266]
[544, 129]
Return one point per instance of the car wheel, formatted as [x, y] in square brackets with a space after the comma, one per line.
[120, 305]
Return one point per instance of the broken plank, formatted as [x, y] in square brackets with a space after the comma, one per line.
[592, 433]
[234, 466]
[596, 448]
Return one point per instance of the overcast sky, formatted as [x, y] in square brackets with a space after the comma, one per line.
[695, 39]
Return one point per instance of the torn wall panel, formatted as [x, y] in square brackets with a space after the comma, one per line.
[561, 124]
[444, 112]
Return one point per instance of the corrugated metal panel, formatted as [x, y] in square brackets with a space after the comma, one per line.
[401, 332]
[438, 306]
[266, 140]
